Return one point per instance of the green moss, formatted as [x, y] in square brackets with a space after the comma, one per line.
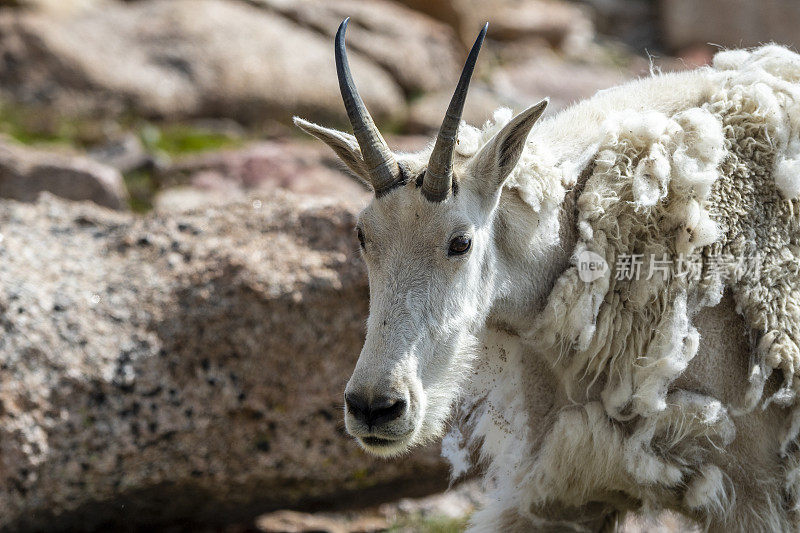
[37, 126]
[178, 139]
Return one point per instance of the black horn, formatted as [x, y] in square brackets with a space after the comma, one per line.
[380, 161]
[438, 180]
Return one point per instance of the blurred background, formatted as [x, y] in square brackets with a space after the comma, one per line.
[181, 297]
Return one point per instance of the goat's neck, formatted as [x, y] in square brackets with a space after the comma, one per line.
[526, 277]
[527, 274]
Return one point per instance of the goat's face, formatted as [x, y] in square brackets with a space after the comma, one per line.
[429, 268]
[427, 240]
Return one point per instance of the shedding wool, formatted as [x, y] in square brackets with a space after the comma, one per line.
[682, 207]
[685, 207]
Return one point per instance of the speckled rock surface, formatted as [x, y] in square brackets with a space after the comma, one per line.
[182, 367]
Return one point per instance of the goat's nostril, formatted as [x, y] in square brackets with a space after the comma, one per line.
[386, 411]
[357, 405]
[381, 411]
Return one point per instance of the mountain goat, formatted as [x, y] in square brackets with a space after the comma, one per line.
[605, 307]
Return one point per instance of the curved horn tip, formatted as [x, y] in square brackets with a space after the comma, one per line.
[343, 25]
[482, 34]
[339, 39]
[438, 179]
[378, 158]
[542, 105]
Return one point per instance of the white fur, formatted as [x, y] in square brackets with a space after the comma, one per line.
[566, 389]
[787, 171]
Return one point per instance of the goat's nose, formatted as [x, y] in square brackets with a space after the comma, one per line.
[378, 412]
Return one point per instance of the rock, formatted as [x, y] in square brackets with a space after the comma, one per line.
[25, 172]
[635, 23]
[182, 368]
[182, 58]
[420, 53]
[54, 6]
[437, 512]
[126, 153]
[408, 143]
[307, 167]
[448, 11]
[564, 81]
[457, 502]
[188, 198]
[404, 515]
[561, 24]
[697, 56]
[729, 23]
[426, 113]
[294, 522]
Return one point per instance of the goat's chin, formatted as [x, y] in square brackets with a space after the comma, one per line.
[387, 449]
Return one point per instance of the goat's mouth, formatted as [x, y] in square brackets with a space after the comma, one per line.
[378, 441]
[384, 447]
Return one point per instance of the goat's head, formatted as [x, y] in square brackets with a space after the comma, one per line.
[427, 238]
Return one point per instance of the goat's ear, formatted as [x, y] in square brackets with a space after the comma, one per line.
[344, 144]
[500, 155]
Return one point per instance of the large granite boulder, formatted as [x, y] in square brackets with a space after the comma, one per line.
[181, 58]
[420, 53]
[182, 368]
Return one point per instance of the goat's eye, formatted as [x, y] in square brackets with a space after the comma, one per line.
[361, 238]
[459, 245]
